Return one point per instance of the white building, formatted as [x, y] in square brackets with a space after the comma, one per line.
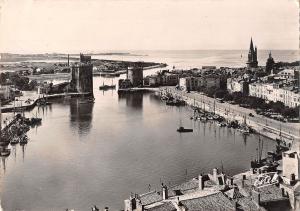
[235, 85]
[287, 74]
[6, 92]
[291, 174]
[290, 96]
[195, 83]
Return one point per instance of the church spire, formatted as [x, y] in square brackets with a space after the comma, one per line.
[251, 45]
[252, 56]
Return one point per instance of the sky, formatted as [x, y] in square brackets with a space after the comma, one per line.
[71, 26]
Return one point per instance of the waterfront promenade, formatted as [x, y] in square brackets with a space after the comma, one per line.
[263, 125]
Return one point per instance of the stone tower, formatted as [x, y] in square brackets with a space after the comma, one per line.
[270, 64]
[82, 75]
[252, 56]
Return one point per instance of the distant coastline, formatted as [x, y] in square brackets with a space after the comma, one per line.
[11, 57]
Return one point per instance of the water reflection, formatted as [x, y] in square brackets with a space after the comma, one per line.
[81, 115]
[133, 100]
[135, 130]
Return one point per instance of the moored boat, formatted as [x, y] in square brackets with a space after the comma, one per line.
[24, 139]
[4, 152]
[15, 140]
[106, 87]
[184, 130]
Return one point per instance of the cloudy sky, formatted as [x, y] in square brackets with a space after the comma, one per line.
[118, 25]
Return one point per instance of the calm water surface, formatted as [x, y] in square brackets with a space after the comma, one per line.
[85, 154]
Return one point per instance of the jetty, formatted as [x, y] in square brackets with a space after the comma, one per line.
[36, 101]
[139, 89]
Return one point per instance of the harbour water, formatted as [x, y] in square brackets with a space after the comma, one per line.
[85, 154]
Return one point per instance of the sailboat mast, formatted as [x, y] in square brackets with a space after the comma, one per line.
[0, 120]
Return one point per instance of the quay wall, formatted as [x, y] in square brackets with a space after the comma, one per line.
[270, 128]
[32, 104]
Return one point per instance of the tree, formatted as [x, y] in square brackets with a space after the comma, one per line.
[291, 112]
[237, 97]
[220, 93]
[3, 78]
[277, 107]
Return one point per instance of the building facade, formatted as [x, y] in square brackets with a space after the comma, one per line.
[6, 93]
[237, 85]
[288, 95]
[197, 83]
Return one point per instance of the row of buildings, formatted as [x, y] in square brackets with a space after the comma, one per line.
[282, 87]
[135, 78]
[276, 84]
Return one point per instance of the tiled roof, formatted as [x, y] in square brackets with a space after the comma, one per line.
[167, 206]
[247, 204]
[234, 193]
[187, 186]
[209, 203]
[151, 197]
[270, 193]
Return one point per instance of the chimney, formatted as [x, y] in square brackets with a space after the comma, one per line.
[244, 177]
[177, 201]
[215, 174]
[292, 177]
[164, 191]
[223, 179]
[282, 192]
[201, 182]
[235, 205]
[132, 203]
[256, 197]
[231, 181]
[68, 60]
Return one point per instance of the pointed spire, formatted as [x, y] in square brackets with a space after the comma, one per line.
[251, 45]
[270, 55]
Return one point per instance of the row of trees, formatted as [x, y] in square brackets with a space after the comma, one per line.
[254, 102]
[20, 82]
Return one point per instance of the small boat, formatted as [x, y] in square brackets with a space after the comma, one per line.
[35, 120]
[87, 101]
[4, 152]
[184, 130]
[15, 140]
[210, 117]
[106, 87]
[24, 140]
[203, 119]
[244, 131]
[4, 143]
[222, 124]
[175, 103]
